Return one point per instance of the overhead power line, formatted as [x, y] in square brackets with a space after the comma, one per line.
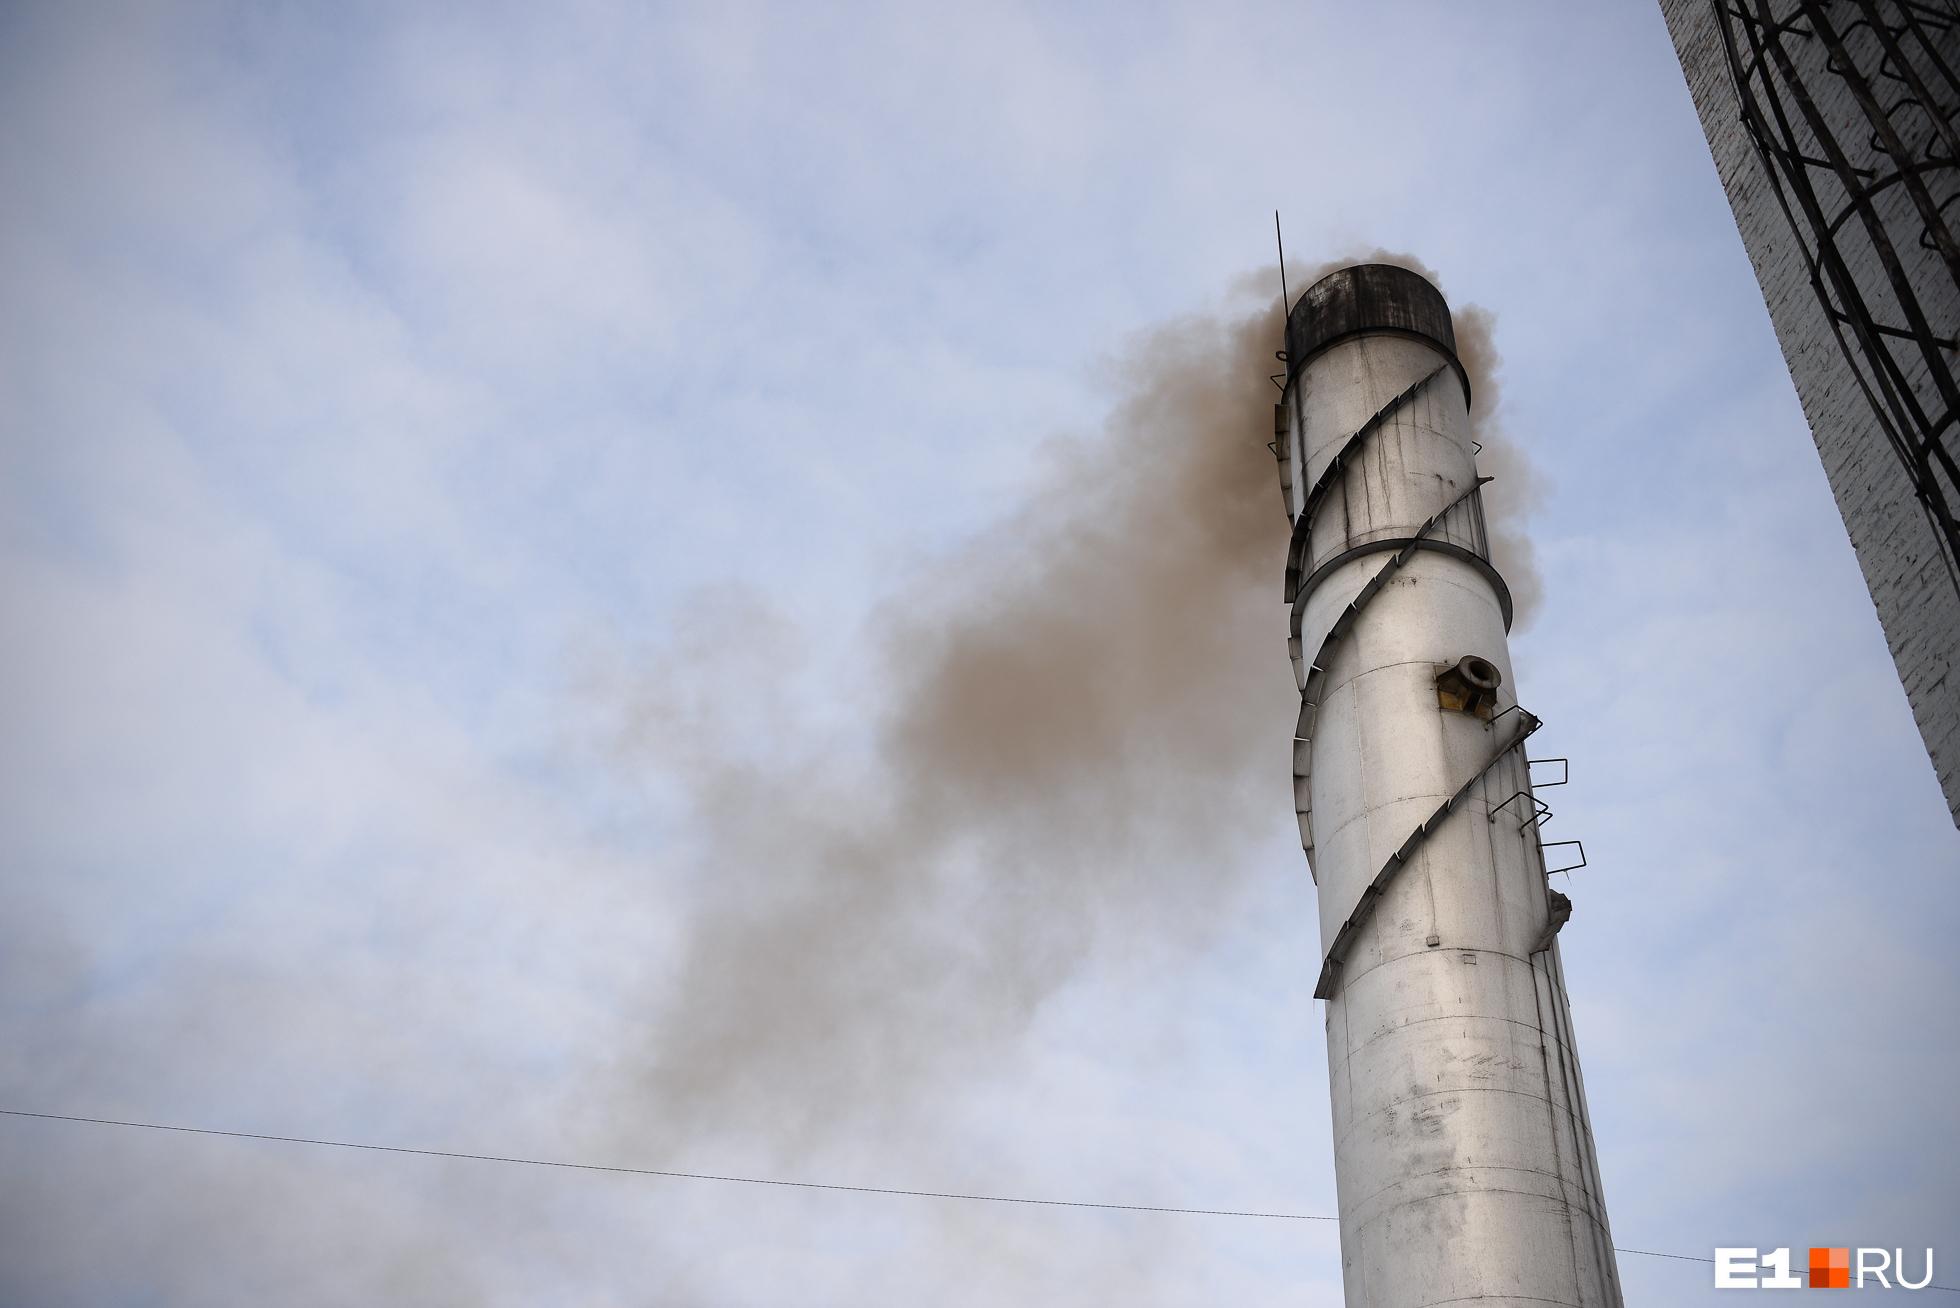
[741, 1180]
[654, 1171]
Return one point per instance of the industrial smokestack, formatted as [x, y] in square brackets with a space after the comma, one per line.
[1462, 1151]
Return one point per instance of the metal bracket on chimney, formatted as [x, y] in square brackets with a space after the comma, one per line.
[1539, 809]
[1564, 772]
[1574, 867]
[1558, 911]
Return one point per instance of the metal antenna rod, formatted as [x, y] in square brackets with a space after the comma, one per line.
[1284, 301]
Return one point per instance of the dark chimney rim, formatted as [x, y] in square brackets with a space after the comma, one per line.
[1369, 299]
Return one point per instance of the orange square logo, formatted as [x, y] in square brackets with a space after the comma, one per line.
[1830, 1269]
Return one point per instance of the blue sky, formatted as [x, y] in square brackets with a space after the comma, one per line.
[435, 440]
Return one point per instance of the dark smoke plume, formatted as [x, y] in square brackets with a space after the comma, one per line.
[1518, 488]
[1083, 718]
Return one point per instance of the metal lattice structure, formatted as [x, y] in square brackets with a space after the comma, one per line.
[1851, 106]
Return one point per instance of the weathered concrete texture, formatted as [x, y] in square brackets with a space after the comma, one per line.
[1897, 546]
[1463, 1156]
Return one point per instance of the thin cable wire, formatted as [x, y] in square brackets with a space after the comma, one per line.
[654, 1171]
[742, 1180]
[1649, 1253]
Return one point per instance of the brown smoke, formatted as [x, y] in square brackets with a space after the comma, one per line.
[1518, 488]
[1083, 718]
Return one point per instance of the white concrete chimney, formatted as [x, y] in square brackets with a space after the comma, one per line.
[1462, 1151]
